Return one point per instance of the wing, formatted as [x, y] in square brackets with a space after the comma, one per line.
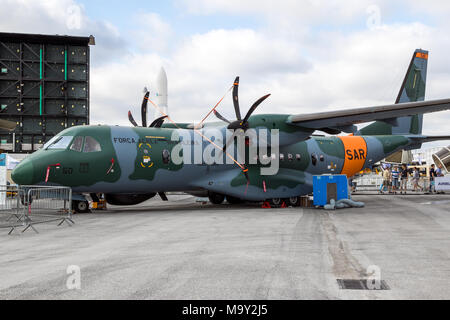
[344, 120]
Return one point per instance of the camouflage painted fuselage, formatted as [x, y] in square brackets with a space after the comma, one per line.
[131, 160]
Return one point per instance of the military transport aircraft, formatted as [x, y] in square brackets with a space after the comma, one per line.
[132, 164]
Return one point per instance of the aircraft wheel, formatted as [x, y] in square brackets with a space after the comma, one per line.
[80, 206]
[233, 200]
[216, 198]
[276, 202]
[293, 201]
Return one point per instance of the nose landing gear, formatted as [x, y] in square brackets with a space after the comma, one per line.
[80, 206]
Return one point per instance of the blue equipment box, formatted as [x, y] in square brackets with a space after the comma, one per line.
[329, 187]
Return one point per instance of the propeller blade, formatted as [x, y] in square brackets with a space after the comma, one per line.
[219, 116]
[254, 106]
[245, 171]
[236, 99]
[144, 109]
[229, 142]
[163, 196]
[130, 117]
[158, 122]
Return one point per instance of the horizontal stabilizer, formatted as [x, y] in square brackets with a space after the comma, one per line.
[424, 139]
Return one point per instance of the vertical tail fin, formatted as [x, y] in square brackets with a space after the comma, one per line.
[412, 90]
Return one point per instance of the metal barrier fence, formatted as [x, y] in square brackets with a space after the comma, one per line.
[374, 182]
[27, 206]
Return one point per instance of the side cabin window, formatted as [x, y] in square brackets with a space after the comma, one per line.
[298, 157]
[77, 144]
[91, 145]
[290, 157]
[166, 156]
[281, 156]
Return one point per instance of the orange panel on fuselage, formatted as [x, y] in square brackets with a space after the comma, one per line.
[355, 149]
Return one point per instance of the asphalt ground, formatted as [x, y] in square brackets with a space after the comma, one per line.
[187, 250]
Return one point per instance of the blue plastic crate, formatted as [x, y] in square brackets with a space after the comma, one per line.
[320, 188]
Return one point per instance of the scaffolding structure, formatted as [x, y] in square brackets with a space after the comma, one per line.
[44, 87]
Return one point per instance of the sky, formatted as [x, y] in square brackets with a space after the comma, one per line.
[311, 55]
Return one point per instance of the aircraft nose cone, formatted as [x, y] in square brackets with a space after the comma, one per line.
[23, 173]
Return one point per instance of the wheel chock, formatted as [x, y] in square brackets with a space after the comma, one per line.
[266, 205]
[283, 205]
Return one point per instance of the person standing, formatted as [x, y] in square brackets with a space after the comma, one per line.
[395, 176]
[404, 179]
[416, 179]
[386, 180]
[433, 175]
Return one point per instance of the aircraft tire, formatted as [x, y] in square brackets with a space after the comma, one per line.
[233, 200]
[216, 198]
[293, 201]
[276, 202]
[80, 206]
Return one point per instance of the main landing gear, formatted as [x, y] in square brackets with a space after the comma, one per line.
[217, 198]
[290, 202]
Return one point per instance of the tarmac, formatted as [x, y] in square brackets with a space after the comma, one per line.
[187, 250]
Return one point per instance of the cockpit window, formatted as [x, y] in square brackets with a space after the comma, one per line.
[61, 142]
[77, 144]
[49, 142]
[91, 145]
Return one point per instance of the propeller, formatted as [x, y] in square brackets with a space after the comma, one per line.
[158, 122]
[239, 125]
[130, 117]
[143, 111]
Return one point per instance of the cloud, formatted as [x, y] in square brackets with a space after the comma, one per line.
[153, 34]
[311, 56]
[64, 17]
[337, 70]
[304, 11]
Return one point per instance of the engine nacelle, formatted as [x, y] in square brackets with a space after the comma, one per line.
[127, 199]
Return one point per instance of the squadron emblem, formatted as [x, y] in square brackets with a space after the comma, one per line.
[144, 150]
